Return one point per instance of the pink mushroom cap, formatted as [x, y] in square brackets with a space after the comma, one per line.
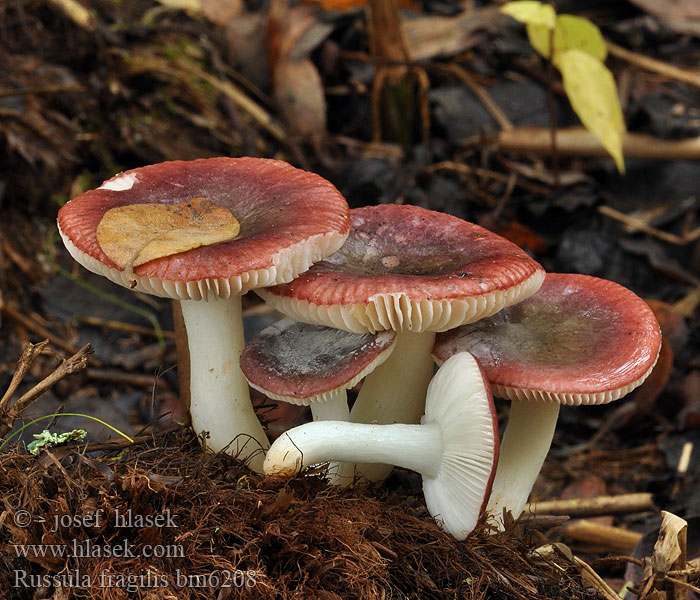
[409, 269]
[578, 340]
[301, 363]
[289, 219]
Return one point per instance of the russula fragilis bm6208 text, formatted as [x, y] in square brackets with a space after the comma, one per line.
[414, 271]
[578, 340]
[455, 448]
[288, 219]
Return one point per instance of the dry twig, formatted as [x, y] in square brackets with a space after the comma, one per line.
[600, 505]
[75, 363]
[577, 141]
[651, 64]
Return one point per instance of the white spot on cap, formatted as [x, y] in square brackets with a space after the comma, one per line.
[120, 183]
[391, 261]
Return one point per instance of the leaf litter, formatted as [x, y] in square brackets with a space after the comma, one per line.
[305, 540]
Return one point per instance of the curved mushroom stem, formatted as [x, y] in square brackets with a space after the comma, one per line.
[524, 447]
[395, 391]
[219, 396]
[415, 447]
[334, 409]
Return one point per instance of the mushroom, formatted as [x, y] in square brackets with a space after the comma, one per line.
[455, 448]
[578, 340]
[288, 219]
[313, 365]
[414, 271]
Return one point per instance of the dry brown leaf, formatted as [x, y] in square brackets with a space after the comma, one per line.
[298, 93]
[136, 234]
[521, 235]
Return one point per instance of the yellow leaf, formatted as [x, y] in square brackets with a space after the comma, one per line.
[593, 95]
[539, 36]
[530, 13]
[136, 234]
[570, 33]
[576, 33]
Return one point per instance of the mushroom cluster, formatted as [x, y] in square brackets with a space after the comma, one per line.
[377, 293]
[416, 272]
[541, 341]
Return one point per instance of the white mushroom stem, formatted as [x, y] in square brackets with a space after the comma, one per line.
[334, 409]
[524, 447]
[395, 391]
[219, 396]
[415, 447]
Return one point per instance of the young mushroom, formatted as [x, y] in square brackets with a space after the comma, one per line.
[288, 219]
[578, 340]
[414, 271]
[313, 365]
[455, 448]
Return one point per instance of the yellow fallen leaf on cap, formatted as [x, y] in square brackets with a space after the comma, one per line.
[138, 233]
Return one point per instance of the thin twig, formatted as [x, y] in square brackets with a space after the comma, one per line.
[578, 141]
[75, 363]
[480, 92]
[651, 64]
[41, 331]
[29, 355]
[47, 89]
[127, 327]
[447, 165]
[683, 584]
[600, 505]
[122, 378]
[640, 225]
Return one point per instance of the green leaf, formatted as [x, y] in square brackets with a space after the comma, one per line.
[593, 95]
[530, 13]
[570, 33]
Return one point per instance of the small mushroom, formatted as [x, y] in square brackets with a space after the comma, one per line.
[578, 340]
[288, 219]
[455, 448]
[313, 365]
[414, 271]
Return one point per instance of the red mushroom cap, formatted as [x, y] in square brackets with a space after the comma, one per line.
[289, 219]
[301, 363]
[407, 268]
[578, 340]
